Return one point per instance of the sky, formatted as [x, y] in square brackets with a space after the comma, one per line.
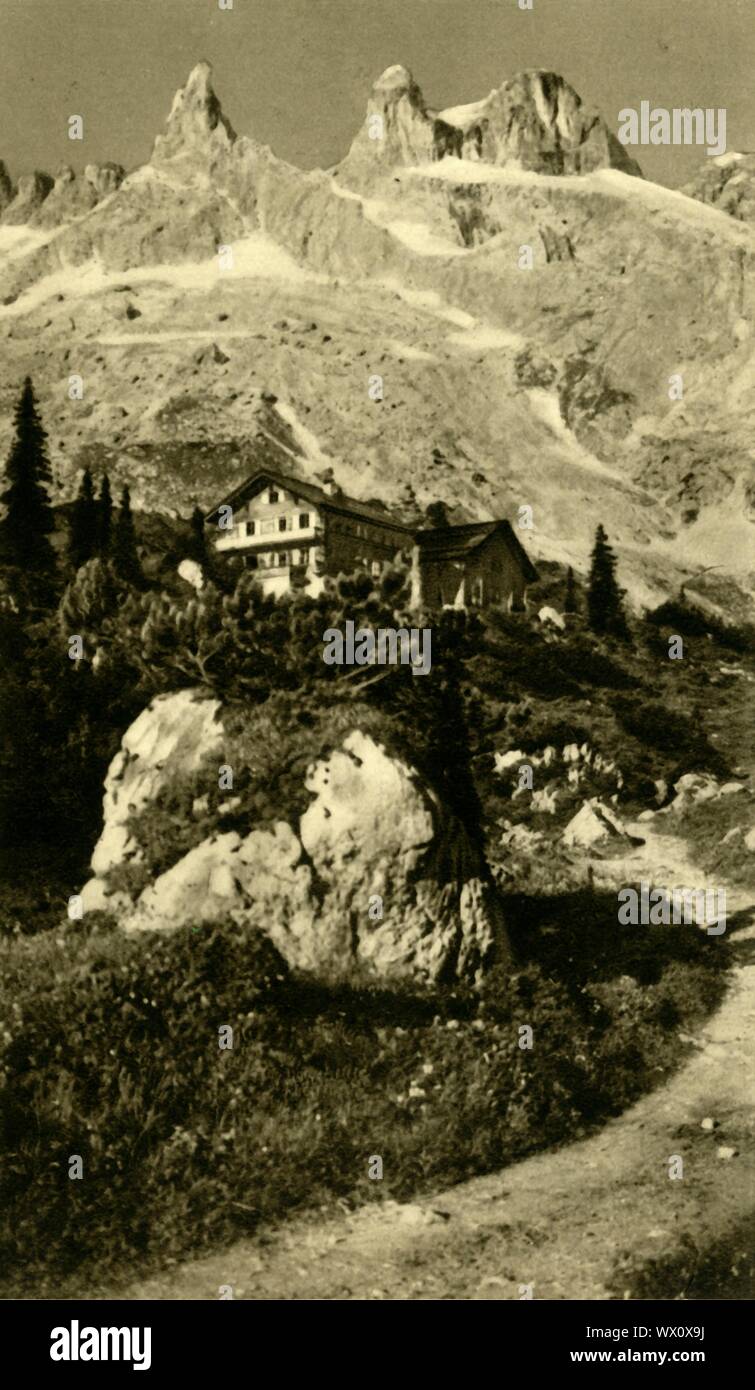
[296, 74]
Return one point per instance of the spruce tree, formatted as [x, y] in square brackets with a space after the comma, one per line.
[570, 597]
[125, 556]
[604, 608]
[83, 536]
[196, 548]
[104, 516]
[28, 519]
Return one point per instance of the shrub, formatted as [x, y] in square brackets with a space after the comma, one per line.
[111, 1052]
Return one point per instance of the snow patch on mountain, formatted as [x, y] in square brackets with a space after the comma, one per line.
[483, 336]
[545, 405]
[416, 235]
[430, 302]
[305, 438]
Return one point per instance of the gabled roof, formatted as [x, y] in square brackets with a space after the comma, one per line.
[456, 542]
[435, 543]
[309, 492]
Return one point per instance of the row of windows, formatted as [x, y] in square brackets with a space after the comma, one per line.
[275, 559]
[297, 522]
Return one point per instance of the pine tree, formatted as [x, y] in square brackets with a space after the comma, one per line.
[104, 516]
[90, 598]
[604, 608]
[196, 548]
[570, 597]
[83, 536]
[125, 556]
[28, 519]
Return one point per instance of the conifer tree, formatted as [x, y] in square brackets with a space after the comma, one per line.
[196, 548]
[87, 601]
[604, 607]
[570, 597]
[125, 556]
[83, 536]
[28, 519]
[104, 516]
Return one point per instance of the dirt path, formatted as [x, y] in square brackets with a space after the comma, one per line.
[564, 1221]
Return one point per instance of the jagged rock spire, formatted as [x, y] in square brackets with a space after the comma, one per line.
[534, 120]
[196, 121]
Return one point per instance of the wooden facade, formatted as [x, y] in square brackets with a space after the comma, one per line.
[293, 533]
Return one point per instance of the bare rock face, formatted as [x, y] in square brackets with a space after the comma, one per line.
[383, 843]
[378, 876]
[31, 194]
[535, 121]
[174, 734]
[398, 128]
[727, 183]
[538, 121]
[7, 191]
[196, 122]
[73, 196]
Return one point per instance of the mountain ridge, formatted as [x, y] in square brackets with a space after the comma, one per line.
[546, 384]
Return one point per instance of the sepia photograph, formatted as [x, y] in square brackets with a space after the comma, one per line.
[377, 753]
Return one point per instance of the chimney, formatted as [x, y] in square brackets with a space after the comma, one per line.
[329, 484]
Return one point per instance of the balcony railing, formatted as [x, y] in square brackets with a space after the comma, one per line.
[237, 539]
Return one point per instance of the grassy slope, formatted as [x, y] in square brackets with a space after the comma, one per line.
[112, 1046]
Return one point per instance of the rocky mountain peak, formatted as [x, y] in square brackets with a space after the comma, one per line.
[196, 121]
[534, 120]
[726, 183]
[538, 121]
[6, 187]
[29, 197]
[395, 82]
[398, 129]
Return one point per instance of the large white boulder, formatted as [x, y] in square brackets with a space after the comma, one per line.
[173, 735]
[377, 876]
[552, 616]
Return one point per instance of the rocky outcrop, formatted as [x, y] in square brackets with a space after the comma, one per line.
[535, 121]
[73, 196]
[539, 122]
[173, 735]
[398, 128]
[198, 192]
[7, 191]
[377, 876]
[561, 779]
[31, 194]
[594, 824]
[727, 183]
[196, 124]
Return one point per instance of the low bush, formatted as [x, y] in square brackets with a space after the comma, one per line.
[111, 1052]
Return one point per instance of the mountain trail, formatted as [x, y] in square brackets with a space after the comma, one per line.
[567, 1222]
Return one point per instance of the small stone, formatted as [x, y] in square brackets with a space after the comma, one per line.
[412, 1215]
[726, 1152]
[708, 1123]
